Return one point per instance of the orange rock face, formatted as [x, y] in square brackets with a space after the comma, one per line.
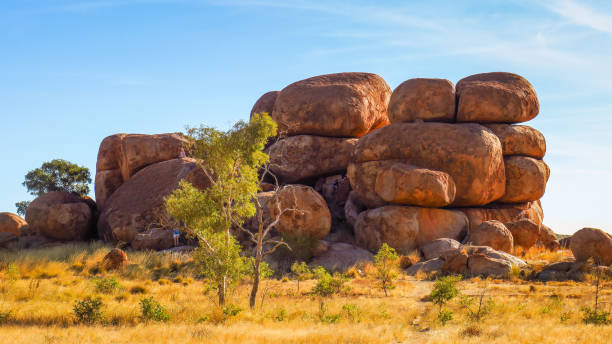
[62, 216]
[139, 202]
[469, 153]
[592, 243]
[423, 99]
[340, 105]
[406, 228]
[405, 184]
[12, 223]
[311, 217]
[525, 232]
[494, 234]
[496, 98]
[122, 155]
[525, 179]
[520, 140]
[265, 103]
[305, 156]
[504, 213]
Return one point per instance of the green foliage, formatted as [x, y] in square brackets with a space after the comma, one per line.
[596, 317]
[5, 317]
[301, 246]
[231, 161]
[445, 289]
[281, 315]
[325, 317]
[328, 285]
[445, 316]
[88, 310]
[22, 206]
[58, 175]
[479, 311]
[265, 271]
[231, 310]
[302, 272]
[386, 262]
[106, 285]
[153, 310]
[352, 312]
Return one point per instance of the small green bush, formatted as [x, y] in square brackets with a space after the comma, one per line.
[328, 285]
[106, 285]
[596, 317]
[386, 262]
[138, 289]
[153, 310]
[88, 310]
[231, 310]
[324, 317]
[445, 316]
[352, 312]
[281, 315]
[445, 289]
[4, 317]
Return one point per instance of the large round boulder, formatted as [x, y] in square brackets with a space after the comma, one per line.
[304, 212]
[526, 179]
[520, 140]
[493, 234]
[265, 103]
[306, 156]
[138, 204]
[62, 216]
[496, 98]
[122, 155]
[525, 232]
[592, 243]
[470, 153]
[406, 184]
[423, 99]
[341, 105]
[12, 223]
[407, 228]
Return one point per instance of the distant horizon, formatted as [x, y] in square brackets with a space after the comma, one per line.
[74, 72]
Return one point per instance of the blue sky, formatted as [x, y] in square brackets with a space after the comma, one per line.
[73, 72]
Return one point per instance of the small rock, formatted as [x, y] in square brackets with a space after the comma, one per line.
[428, 266]
[115, 259]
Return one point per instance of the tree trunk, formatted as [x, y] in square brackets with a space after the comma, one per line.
[255, 288]
[221, 294]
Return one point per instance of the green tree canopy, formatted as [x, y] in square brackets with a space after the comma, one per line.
[231, 160]
[58, 175]
[55, 175]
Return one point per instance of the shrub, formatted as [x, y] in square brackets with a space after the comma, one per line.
[88, 310]
[231, 310]
[444, 290]
[327, 285]
[352, 311]
[596, 317]
[445, 316]
[153, 310]
[281, 315]
[325, 317]
[302, 272]
[107, 285]
[386, 264]
[4, 317]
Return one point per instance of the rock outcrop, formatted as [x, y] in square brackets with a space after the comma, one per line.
[423, 99]
[341, 256]
[407, 228]
[138, 204]
[62, 216]
[337, 105]
[115, 259]
[592, 243]
[265, 103]
[12, 223]
[494, 234]
[122, 155]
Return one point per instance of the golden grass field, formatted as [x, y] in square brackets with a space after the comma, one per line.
[43, 285]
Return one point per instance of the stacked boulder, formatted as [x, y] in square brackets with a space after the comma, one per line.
[319, 122]
[450, 160]
[134, 173]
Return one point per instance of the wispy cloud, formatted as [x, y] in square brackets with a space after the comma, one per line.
[581, 14]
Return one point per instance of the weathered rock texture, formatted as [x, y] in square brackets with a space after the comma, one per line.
[496, 98]
[122, 155]
[62, 216]
[407, 228]
[138, 204]
[12, 223]
[492, 233]
[592, 243]
[340, 105]
[520, 140]
[306, 156]
[265, 103]
[423, 99]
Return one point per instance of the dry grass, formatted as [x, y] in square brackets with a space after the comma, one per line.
[49, 281]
